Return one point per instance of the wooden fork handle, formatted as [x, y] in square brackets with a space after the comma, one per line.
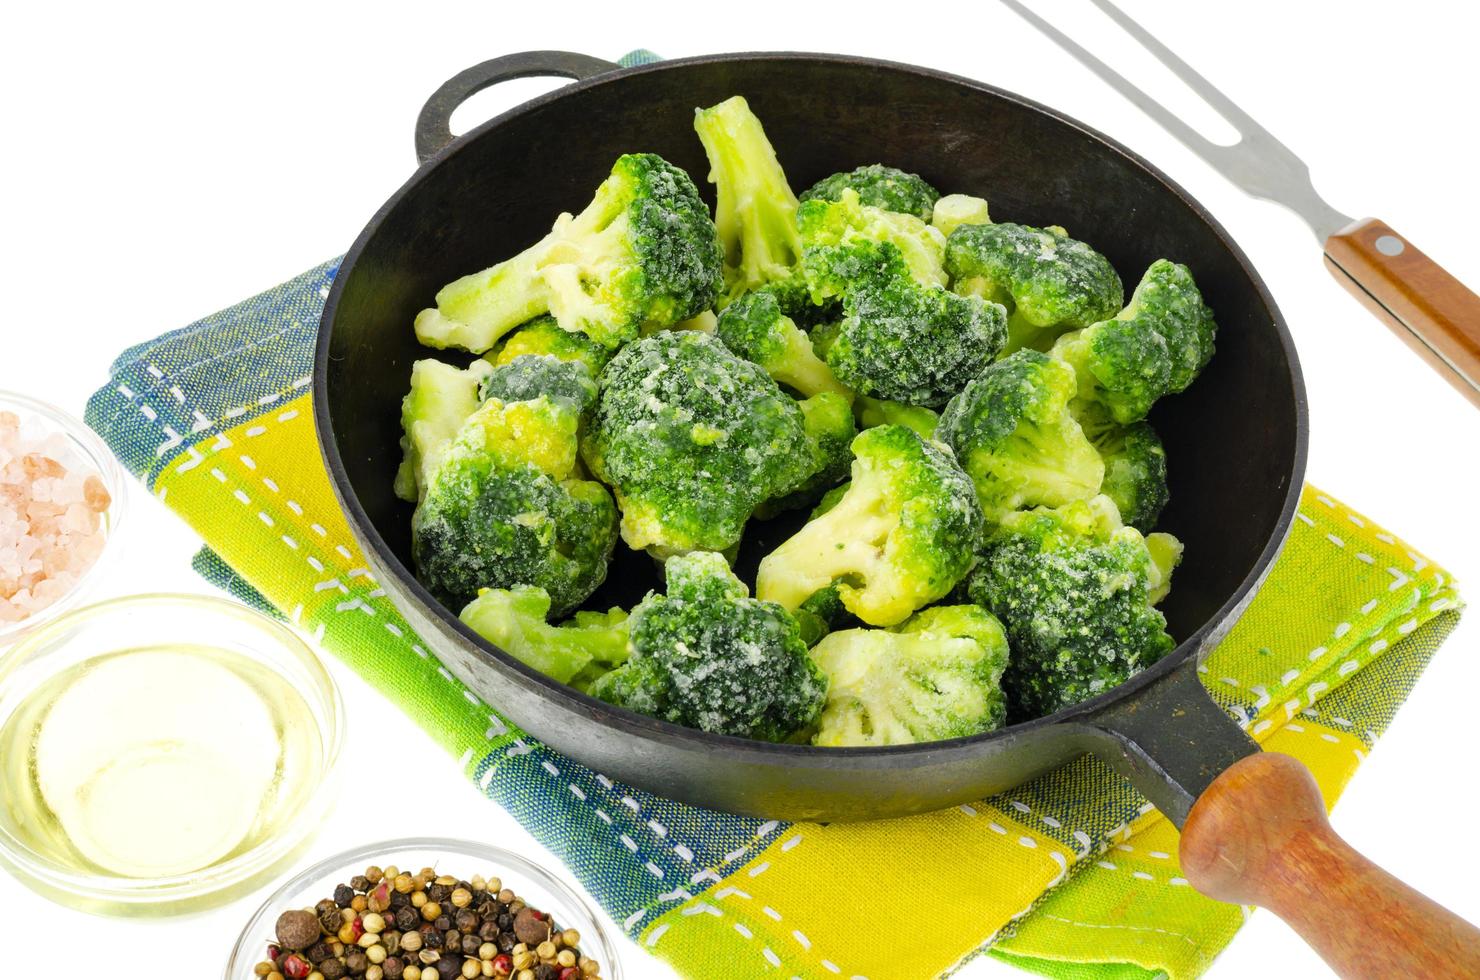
[1259, 835]
[1433, 312]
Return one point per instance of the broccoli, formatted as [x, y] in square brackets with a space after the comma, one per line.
[643, 252]
[900, 537]
[756, 211]
[827, 419]
[937, 675]
[822, 336]
[1135, 464]
[844, 243]
[753, 327]
[440, 399]
[877, 411]
[529, 376]
[543, 335]
[1074, 589]
[1156, 346]
[502, 507]
[692, 438]
[514, 620]
[955, 210]
[1013, 433]
[881, 187]
[709, 657]
[1166, 555]
[1049, 282]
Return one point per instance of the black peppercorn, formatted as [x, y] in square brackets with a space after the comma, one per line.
[470, 945]
[443, 922]
[392, 967]
[430, 937]
[343, 895]
[451, 939]
[545, 972]
[360, 883]
[400, 900]
[487, 931]
[407, 919]
[319, 951]
[330, 919]
[438, 893]
[505, 921]
[331, 968]
[506, 942]
[451, 968]
[465, 920]
[356, 962]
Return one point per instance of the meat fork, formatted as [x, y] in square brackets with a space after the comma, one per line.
[1432, 311]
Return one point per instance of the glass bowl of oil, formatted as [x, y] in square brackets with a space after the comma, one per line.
[162, 754]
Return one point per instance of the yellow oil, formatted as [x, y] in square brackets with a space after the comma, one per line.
[155, 762]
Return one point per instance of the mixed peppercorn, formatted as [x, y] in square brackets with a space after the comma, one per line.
[389, 924]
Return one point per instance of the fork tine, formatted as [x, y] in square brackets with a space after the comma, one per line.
[1120, 83]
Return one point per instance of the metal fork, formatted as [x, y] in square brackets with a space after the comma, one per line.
[1431, 310]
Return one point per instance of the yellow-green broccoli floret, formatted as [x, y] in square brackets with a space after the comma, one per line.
[503, 507]
[1048, 281]
[842, 239]
[1135, 464]
[881, 411]
[755, 328]
[881, 187]
[543, 335]
[707, 656]
[515, 621]
[756, 210]
[937, 675]
[828, 421]
[1156, 346]
[1013, 433]
[692, 438]
[440, 400]
[1074, 589]
[643, 253]
[955, 210]
[899, 538]
[529, 376]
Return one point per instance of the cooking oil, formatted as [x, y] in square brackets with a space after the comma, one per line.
[156, 761]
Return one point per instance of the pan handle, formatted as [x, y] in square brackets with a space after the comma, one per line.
[434, 123]
[1254, 831]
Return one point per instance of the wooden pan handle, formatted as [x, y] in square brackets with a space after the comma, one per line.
[1259, 835]
[1433, 312]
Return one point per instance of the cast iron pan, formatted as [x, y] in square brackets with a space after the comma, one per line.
[1236, 440]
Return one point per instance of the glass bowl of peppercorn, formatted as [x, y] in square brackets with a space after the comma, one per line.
[425, 909]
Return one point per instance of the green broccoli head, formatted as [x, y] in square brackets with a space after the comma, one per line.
[1013, 433]
[1073, 587]
[900, 537]
[937, 675]
[543, 335]
[755, 328]
[644, 252]
[1156, 346]
[1049, 281]
[955, 210]
[915, 344]
[502, 508]
[828, 421]
[529, 376]
[1135, 464]
[692, 438]
[707, 656]
[881, 187]
[440, 400]
[846, 242]
[881, 411]
[514, 620]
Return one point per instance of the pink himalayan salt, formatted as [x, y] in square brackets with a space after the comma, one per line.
[51, 528]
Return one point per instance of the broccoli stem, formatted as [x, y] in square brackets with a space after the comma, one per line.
[799, 367]
[473, 312]
[845, 543]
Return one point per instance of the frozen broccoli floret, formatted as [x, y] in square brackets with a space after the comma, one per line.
[1156, 346]
[440, 400]
[955, 210]
[755, 328]
[1135, 464]
[914, 344]
[514, 620]
[822, 337]
[821, 613]
[692, 438]
[1048, 281]
[828, 421]
[881, 187]
[643, 253]
[937, 675]
[707, 656]
[543, 335]
[900, 537]
[529, 376]
[1166, 555]
[1013, 433]
[843, 244]
[1074, 589]
[881, 411]
[503, 508]
[756, 210]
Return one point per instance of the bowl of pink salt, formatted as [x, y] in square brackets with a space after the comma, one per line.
[61, 503]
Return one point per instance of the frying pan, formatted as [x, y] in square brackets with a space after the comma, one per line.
[1236, 439]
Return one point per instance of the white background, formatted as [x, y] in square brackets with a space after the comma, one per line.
[161, 163]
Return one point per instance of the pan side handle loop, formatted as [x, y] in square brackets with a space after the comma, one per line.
[434, 123]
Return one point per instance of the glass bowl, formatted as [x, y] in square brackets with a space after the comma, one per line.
[82, 448]
[57, 703]
[457, 857]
